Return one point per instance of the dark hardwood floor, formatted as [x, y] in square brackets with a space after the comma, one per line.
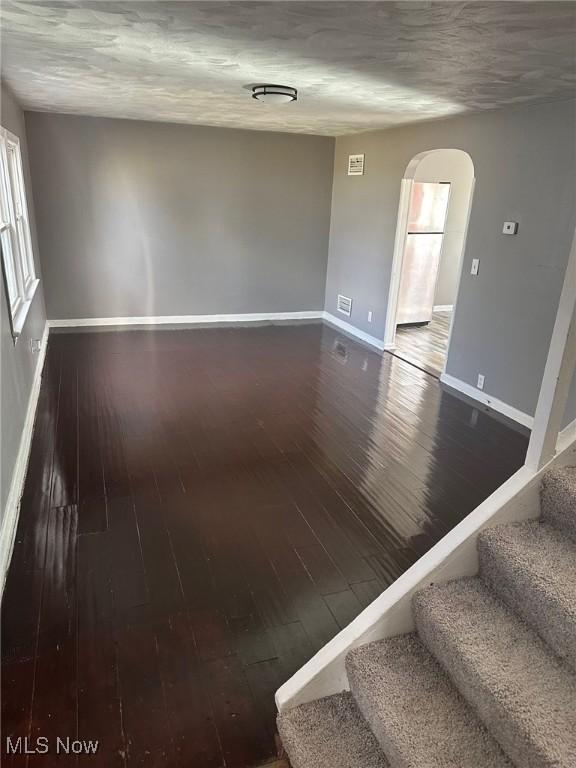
[205, 509]
[426, 345]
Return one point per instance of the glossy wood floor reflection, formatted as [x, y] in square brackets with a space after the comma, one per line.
[425, 345]
[203, 511]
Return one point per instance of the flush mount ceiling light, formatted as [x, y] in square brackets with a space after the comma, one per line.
[274, 94]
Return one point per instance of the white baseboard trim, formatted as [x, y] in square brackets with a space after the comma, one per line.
[353, 331]
[488, 400]
[255, 317]
[443, 308]
[224, 319]
[10, 519]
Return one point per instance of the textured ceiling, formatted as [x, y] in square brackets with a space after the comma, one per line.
[356, 65]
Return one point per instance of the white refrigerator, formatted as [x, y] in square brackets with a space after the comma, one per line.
[422, 251]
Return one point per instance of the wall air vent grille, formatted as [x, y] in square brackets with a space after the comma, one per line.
[355, 165]
[344, 305]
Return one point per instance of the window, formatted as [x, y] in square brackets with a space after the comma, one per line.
[17, 257]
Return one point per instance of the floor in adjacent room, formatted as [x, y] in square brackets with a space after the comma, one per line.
[204, 509]
[425, 345]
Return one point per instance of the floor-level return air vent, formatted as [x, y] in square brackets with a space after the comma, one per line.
[344, 305]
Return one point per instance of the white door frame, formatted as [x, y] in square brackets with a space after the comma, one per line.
[400, 245]
[397, 261]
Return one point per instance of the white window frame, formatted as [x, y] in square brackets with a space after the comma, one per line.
[20, 281]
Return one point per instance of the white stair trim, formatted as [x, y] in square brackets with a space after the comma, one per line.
[566, 436]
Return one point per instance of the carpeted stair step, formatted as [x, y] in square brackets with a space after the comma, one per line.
[558, 499]
[532, 568]
[521, 690]
[329, 733]
[413, 709]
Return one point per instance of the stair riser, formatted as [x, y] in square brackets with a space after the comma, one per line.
[493, 717]
[552, 621]
[377, 728]
[327, 733]
[558, 501]
[414, 711]
[487, 653]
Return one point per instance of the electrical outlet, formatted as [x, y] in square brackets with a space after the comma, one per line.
[35, 345]
[370, 316]
[480, 383]
[475, 267]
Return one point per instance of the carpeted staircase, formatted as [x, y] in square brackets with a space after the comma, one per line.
[488, 680]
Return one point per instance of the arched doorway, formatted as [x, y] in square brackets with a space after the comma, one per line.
[435, 202]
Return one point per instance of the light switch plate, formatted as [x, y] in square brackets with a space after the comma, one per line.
[475, 267]
[510, 228]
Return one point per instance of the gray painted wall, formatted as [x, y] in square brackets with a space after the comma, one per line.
[525, 163]
[141, 218]
[17, 363]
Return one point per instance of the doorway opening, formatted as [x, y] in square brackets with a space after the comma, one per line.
[435, 203]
